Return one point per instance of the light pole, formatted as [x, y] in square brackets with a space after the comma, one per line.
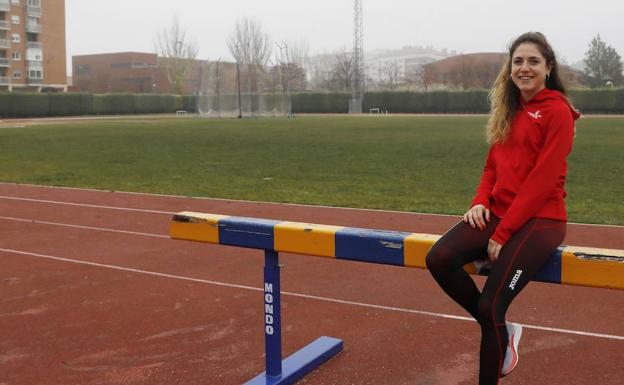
[240, 115]
[238, 54]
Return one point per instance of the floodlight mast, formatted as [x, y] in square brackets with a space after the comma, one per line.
[357, 86]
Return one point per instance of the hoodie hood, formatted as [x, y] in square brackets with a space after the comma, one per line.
[546, 95]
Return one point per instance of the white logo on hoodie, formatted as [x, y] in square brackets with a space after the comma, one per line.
[535, 115]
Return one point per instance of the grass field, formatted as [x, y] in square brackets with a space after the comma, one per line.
[408, 163]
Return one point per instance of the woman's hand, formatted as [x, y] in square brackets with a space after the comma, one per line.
[477, 216]
[493, 250]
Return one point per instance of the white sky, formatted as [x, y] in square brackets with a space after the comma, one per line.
[99, 26]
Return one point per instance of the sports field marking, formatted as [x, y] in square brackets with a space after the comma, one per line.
[83, 227]
[300, 295]
[220, 199]
[229, 200]
[86, 205]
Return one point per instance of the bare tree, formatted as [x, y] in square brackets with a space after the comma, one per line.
[485, 74]
[176, 53]
[426, 75]
[342, 72]
[251, 47]
[289, 62]
[299, 52]
[249, 43]
[391, 77]
[320, 71]
[299, 55]
[465, 74]
[412, 77]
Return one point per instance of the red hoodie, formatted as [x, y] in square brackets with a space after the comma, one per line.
[524, 176]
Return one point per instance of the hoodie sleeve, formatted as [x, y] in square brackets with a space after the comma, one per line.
[543, 178]
[488, 178]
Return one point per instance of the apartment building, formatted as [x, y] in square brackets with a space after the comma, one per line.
[32, 45]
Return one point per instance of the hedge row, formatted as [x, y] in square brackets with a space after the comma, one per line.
[603, 101]
[22, 105]
[18, 105]
[320, 103]
[440, 102]
[607, 101]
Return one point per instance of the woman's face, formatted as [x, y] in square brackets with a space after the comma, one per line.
[529, 70]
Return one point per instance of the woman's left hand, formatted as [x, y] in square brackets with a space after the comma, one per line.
[493, 250]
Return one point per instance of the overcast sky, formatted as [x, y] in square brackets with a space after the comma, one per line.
[98, 26]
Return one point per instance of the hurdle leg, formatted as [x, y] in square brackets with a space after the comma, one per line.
[272, 314]
[297, 365]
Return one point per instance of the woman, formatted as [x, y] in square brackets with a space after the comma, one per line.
[517, 218]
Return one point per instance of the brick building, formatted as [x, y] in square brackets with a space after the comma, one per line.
[140, 72]
[32, 45]
[134, 72]
[479, 70]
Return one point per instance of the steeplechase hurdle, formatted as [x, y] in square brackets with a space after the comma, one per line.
[568, 265]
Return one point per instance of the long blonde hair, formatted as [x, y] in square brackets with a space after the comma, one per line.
[504, 95]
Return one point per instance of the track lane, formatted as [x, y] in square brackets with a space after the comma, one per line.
[604, 236]
[393, 340]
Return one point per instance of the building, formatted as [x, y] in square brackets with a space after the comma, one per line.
[479, 70]
[32, 45]
[133, 72]
[466, 71]
[404, 60]
[140, 72]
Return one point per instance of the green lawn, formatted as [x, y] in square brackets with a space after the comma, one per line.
[407, 163]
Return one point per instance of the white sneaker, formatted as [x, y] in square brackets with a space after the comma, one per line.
[511, 356]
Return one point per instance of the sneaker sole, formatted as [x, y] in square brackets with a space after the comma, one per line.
[516, 340]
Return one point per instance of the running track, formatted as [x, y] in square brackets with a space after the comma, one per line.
[94, 292]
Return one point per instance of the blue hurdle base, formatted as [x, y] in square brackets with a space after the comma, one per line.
[302, 362]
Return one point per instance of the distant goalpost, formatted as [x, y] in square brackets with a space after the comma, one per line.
[232, 90]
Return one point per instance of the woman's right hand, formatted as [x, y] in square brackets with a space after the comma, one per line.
[477, 216]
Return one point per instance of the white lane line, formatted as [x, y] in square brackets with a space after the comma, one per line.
[229, 200]
[307, 296]
[83, 227]
[86, 205]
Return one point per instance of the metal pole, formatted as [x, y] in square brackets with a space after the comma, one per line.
[272, 314]
[218, 92]
[240, 115]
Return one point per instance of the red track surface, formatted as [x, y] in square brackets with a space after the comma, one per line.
[177, 318]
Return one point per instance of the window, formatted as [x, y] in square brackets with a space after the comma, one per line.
[16, 38]
[34, 3]
[17, 75]
[15, 2]
[16, 56]
[121, 65]
[82, 69]
[34, 74]
[15, 19]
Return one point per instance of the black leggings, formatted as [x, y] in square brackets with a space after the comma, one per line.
[518, 261]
